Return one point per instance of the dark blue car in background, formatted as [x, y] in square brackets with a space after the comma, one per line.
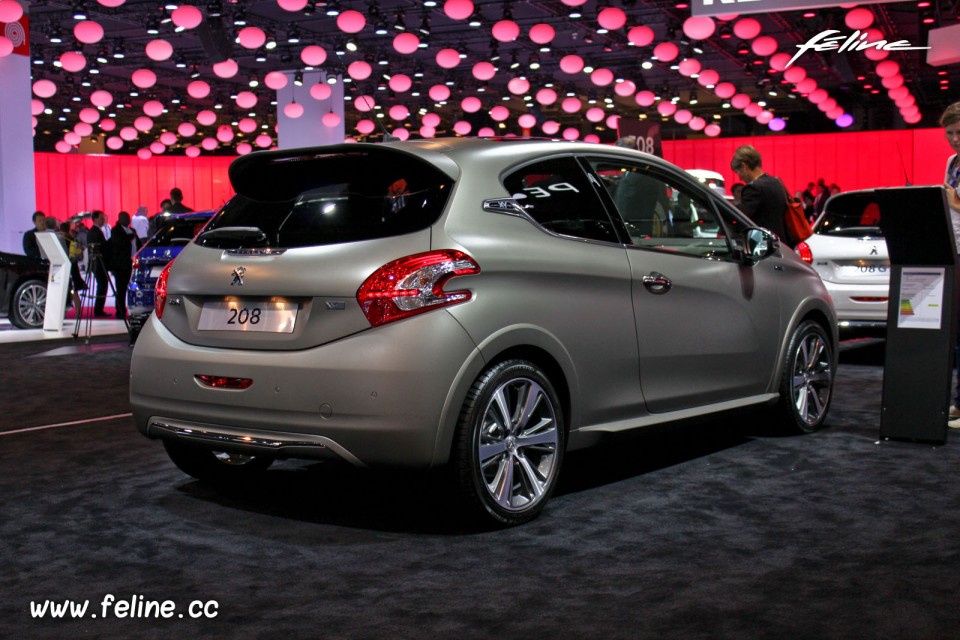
[173, 233]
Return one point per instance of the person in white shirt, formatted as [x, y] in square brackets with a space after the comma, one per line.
[140, 223]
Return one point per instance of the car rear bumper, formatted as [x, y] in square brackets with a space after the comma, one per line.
[374, 398]
[860, 305]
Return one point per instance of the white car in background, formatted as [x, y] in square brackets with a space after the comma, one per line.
[849, 252]
[711, 179]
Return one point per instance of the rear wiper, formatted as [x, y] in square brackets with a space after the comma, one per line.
[253, 235]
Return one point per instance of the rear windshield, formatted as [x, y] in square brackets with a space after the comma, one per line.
[178, 231]
[332, 198]
[862, 220]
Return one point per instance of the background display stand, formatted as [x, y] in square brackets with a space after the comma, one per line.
[922, 314]
[58, 282]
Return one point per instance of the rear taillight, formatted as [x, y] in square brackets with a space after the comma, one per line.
[136, 262]
[803, 250]
[160, 292]
[414, 284]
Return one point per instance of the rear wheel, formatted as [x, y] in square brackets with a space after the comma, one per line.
[29, 304]
[806, 382]
[510, 443]
[218, 467]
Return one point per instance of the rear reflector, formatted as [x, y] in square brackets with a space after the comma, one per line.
[868, 299]
[223, 382]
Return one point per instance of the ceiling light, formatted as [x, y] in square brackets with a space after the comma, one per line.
[79, 13]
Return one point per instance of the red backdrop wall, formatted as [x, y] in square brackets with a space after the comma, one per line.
[68, 184]
[851, 160]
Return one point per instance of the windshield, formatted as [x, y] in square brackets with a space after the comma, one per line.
[851, 222]
[328, 199]
[178, 231]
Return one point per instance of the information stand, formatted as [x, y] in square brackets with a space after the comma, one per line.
[922, 314]
[58, 282]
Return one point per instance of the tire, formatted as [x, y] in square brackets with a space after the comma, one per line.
[509, 444]
[806, 381]
[216, 467]
[28, 305]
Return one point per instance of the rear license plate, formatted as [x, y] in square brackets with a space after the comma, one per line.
[249, 315]
[865, 271]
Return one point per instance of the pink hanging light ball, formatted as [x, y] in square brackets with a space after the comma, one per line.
[439, 92]
[88, 115]
[192, 151]
[844, 121]
[198, 89]
[276, 80]
[753, 110]
[313, 55]
[574, 3]
[6, 46]
[114, 143]
[897, 93]
[740, 101]
[143, 123]
[571, 105]
[506, 31]
[246, 100]
[499, 113]
[153, 108]
[666, 108]
[330, 119]
[682, 116]
[613, 121]
[807, 86]
[645, 98]
[144, 78]
[859, 18]
[546, 96]
[157, 148]
[244, 148]
[458, 9]
[887, 68]
[666, 51]
[88, 32]
[892, 82]
[159, 50]
[186, 16]
[359, 70]
[725, 90]
[817, 96]
[764, 46]
[44, 89]
[366, 126]
[542, 33]
[37, 107]
[112, 4]
[708, 78]
[251, 37]
[431, 120]
[527, 121]
[795, 74]
[462, 127]
[571, 133]
[427, 132]
[602, 77]
[595, 114]
[128, 133]
[206, 117]
[321, 91]
[518, 86]
[73, 61]
[550, 127]
[293, 110]
[448, 58]
[186, 129]
[699, 28]
[876, 54]
[612, 18]
[406, 42]
[10, 11]
[83, 129]
[292, 5]
[486, 132]
[592, 138]
[225, 133]
[764, 117]
[697, 123]
[226, 69]
[778, 61]
[364, 103]
[108, 124]
[247, 125]
[144, 154]
[640, 36]
[351, 21]
[625, 88]
[571, 64]
[209, 144]
[471, 104]
[400, 133]
[400, 83]
[777, 124]
[689, 67]
[746, 29]
[484, 71]
[101, 98]
[712, 130]
[399, 112]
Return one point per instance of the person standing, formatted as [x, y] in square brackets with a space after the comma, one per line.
[764, 198]
[950, 121]
[140, 223]
[30, 245]
[99, 257]
[176, 199]
[123, 246]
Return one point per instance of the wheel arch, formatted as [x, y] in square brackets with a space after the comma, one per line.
[817, 311]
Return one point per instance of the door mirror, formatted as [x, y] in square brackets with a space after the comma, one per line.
[758, 244]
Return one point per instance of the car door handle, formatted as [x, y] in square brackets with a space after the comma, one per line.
[657, 283]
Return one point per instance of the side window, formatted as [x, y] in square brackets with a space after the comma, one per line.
[662, 213]
[557, 194]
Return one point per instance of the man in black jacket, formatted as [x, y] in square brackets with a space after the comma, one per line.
[30, 245]
[123, 246]
[99, 256]
[764, 198]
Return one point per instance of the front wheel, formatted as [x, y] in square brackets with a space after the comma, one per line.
[510, 443]
[806, 383]
[29, 305]
[217, 467]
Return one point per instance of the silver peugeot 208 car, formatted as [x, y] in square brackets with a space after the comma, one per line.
[484, 305]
